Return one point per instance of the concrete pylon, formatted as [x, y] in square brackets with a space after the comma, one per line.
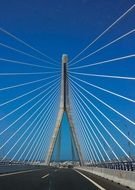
[64, 107]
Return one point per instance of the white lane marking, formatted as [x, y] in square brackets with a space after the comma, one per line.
[48, 174]
[97, 185]
[15, 173]
[45, 176]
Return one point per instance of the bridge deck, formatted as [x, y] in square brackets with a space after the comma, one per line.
[55, 178]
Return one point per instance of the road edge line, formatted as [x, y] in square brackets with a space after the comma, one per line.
[21, 172]
[96, 184]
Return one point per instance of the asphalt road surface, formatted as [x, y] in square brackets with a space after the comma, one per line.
[55, 179]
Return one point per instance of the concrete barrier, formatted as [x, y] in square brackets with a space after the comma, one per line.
[126, 178]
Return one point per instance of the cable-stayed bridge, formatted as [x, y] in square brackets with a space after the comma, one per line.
[97, 97]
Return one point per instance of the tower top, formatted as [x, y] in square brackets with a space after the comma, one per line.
[64, 58]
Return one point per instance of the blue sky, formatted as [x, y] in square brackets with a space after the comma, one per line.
[61, 26]
[56, 27]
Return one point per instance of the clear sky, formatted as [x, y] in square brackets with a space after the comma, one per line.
[61, 26]
[56, 27]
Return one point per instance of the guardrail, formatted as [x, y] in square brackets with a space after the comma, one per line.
[124, 165]
[123, 177]
[9, 163]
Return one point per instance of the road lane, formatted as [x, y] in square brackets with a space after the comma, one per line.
[21, 172]
[105, 183]
[96, 184]
[7, 168]
[26, 181]
[68, 179]
[56, 179]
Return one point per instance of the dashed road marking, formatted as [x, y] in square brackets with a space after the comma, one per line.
[45, 176]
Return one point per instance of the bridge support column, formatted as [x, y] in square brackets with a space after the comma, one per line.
[64, 107]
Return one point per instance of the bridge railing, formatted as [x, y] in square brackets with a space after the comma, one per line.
[124, 165]
[11, 163]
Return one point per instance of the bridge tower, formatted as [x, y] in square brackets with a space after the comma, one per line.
[64, 108]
